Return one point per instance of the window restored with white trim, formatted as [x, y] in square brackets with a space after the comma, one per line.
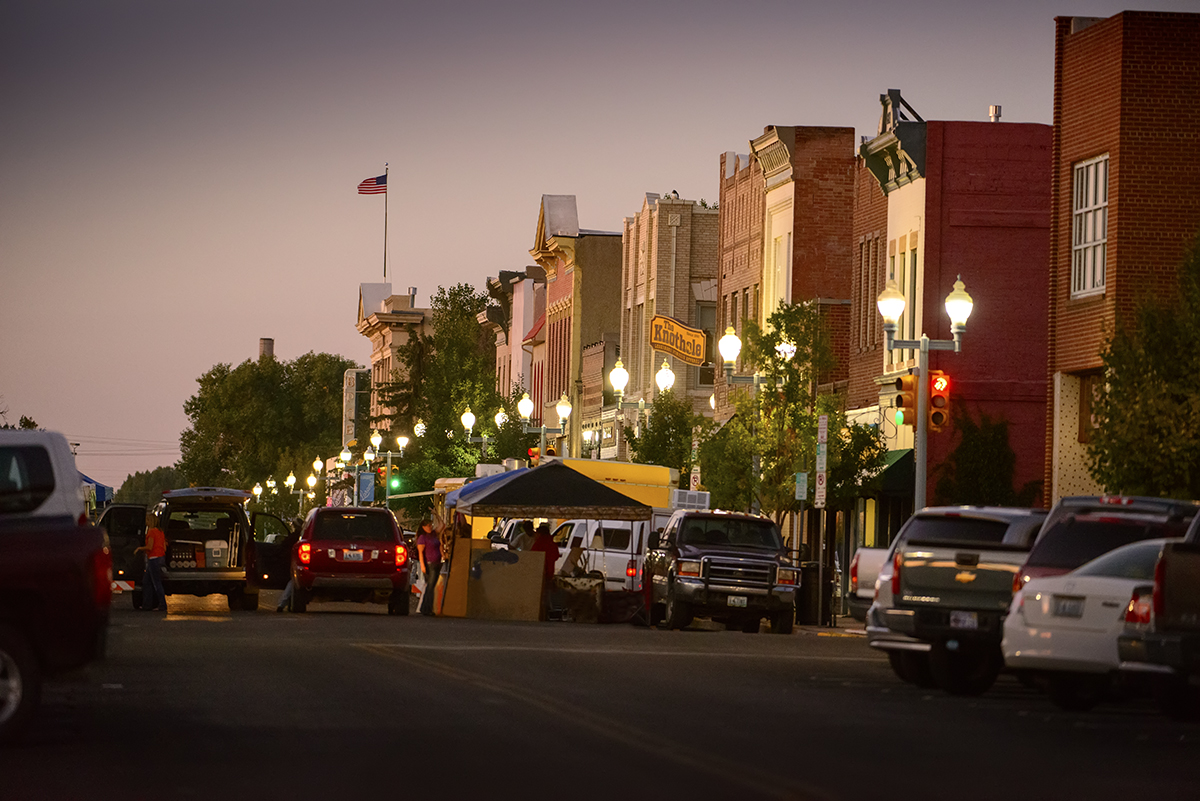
[1089, 227]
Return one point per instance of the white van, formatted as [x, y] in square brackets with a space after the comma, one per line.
[614, 548]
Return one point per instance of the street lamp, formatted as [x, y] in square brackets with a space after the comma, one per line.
[257, 490]
[419, 428]
[958, 308]
[665, 377]
[402, 441]
[525, 409]
[501, 418]
[271, 486]
[619, 378]
[468, 421]
[376, 439]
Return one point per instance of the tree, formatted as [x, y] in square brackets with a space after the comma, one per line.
[666, 438]
[981, 469]
[1146, 411]
[148, 486]
[263, 418]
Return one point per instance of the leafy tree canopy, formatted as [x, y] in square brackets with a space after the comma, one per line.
[666, 437]
[148, 486]
[263, 418]
[1146, 411]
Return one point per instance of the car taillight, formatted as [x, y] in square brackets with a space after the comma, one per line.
[1138, 609]
[401, 556]
[1160, 587]
[305, 553]
[102, 578]
[1019, 580]
[631, 568]
[896, 561]
[854, 573]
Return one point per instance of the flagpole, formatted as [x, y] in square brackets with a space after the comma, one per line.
[385, 231]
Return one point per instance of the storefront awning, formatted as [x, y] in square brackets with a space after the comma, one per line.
[898, 476]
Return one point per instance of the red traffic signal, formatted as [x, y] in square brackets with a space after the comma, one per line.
[939, 400]
[534, 455]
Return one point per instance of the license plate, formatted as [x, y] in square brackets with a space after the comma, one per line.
[352, 556]
[964, 620]
[737, 600]
[1068, 607]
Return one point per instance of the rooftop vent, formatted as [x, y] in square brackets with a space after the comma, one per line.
[994, 113]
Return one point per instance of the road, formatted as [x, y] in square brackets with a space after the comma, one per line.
[201, 703]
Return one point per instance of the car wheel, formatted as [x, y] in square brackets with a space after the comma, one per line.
[1175, 698]
[677, 615]
[965, 670]
[20, 684]
[784, 621]
[299, 601]
[751, 625]
[398, 602]
[912, 667]
[1076, 692]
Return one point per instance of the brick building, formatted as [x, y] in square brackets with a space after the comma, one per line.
[934, 200]
[388, 321]
[1126, 203]
[785, 235]
[583, 288]
[518, 302]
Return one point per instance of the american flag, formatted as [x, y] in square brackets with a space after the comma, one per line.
[374, 186]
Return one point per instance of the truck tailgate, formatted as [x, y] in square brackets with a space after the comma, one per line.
[959, 575]
[1180, 587]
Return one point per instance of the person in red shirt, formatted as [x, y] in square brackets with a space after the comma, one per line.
[154, 598]
[543, 542]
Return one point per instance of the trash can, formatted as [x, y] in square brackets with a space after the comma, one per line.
[811, 594]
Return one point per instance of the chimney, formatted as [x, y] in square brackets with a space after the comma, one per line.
[266, 348]
[412, 297]
[994, 113]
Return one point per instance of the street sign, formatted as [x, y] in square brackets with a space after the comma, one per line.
[695, 478]
[823, 428]
[822, 456]
[819, 492]
[801, 486]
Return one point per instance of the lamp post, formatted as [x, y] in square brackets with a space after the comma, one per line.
[958, 308]
[525, 409]
[343, 462]
[468, 421]
[619, 378]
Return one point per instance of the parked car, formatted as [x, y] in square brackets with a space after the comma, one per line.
[864, 569]
[613, 549]
[1066, 628]
[943, 592]
[1164, 640]
[213, 546]
[351, 554]
[730, 567]
[1080, 536]
[55, 574]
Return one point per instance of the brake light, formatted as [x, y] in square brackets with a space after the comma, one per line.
[1019, 580]
[896, 562]
[1160, 587]
[102, 577]
[631, 568]
[401, 556]
[1138, 610]
[854, 573]
[305, 553]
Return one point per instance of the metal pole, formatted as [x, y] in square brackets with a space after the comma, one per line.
[922, 429]
[387, 483]
[821, 567]
[356, 485]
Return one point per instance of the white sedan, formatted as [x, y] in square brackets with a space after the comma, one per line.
[1065, 628]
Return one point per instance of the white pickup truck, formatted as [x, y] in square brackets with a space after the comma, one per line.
[864, 569]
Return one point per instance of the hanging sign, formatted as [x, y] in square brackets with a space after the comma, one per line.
[683, 342]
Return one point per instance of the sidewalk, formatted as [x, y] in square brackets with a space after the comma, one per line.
[845, 626]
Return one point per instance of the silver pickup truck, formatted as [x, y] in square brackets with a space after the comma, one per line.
[864, 569]
[943, 591]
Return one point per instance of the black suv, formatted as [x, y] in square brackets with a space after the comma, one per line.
[730, 567]
[212, 545]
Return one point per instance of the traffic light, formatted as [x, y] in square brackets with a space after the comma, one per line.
[394, 479]
[905, 401]
[534, 456]
[939, 400]
[551, 450]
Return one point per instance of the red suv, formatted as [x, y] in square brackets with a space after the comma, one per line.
[351, 554]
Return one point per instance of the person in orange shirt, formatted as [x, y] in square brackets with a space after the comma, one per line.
[154, 598]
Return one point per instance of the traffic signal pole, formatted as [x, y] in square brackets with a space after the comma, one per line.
[921, 429]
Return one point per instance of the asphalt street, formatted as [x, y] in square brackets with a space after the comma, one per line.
[202, 703]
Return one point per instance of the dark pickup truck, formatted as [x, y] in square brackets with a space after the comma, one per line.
[1166, 643]
[55, 574]
[729, 567]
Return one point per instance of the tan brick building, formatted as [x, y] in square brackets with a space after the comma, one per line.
[388, 321]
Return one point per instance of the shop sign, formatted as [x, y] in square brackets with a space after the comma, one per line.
[671, 336]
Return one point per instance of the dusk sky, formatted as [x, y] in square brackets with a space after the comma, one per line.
[179, 177]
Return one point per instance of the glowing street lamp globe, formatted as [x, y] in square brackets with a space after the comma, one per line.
[890, 303]
[257, 490]
[730, 346]
[501, 418]
[525, 406]
[419, 429]
[402, 441]
[619, 377]
[290, 480]
[959, 305]
[369, 455]
[468, 419]
[312, 481]
[317, 465]
[665, 377]
[376, 439]
[345, 455]
[563, 407]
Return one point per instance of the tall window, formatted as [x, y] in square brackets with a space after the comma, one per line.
[1089, 226]
[706, 319]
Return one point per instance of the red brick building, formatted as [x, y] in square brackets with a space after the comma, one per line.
[935, 200]
[1126, 200]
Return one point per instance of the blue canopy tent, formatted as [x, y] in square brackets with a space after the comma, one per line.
[479, 484]
[104, 493]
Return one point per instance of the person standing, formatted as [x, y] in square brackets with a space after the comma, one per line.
[154, 597]
[545, 543]
[429, 554]
[524, 540]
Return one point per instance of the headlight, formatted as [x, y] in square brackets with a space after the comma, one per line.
[688, 569]
[786, 575]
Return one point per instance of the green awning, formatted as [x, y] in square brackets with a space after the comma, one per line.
[898, 476]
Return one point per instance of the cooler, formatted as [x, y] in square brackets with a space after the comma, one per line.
[216, 553]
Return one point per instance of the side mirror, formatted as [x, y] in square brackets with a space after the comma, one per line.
[496, 536]
[655, 539]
